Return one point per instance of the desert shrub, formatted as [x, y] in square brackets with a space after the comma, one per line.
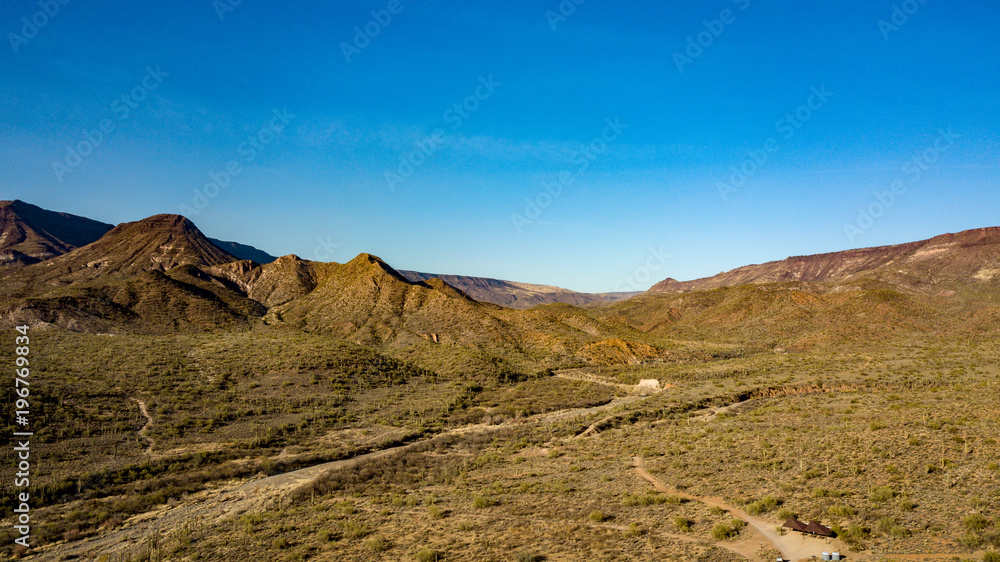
[786, 512]
[377, 544]
[853, 534]
[970, 539]
[889, 526]
[481, 502]
[842, 511]
[722, 531]
[975, 522]
[682, 524]
[881, 494]
[991, 557]
[354, 530]
[597, 516]
[427, 555]
[522, 556]
[763, 505]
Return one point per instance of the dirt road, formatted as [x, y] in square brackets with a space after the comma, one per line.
[207, 507]
[793, 546]
[230, 500]
[144, 432]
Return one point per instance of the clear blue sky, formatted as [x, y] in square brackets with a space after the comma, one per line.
[199, 81]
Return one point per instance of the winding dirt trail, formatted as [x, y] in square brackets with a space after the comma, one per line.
[209, 507]
[233, 499]
[144, 431]
[635, 392]
[792, 546]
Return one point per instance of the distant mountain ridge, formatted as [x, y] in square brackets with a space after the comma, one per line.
[163, 275]
[244, 252]
[514, 294]
[26, 237]
[964, 256]
[30, 234]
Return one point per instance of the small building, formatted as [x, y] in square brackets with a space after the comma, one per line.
[812, 528]
[795, 525]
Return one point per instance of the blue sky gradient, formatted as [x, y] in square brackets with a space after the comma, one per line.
[432, 141]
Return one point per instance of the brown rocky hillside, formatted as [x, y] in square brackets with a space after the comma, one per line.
[30, 234]
[945, 262]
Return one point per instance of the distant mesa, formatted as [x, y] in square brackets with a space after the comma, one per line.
[960, 258]
[513, 294]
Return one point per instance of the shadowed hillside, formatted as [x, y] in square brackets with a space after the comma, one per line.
[429, 322]
[30, 234]
[243, 251]
[162, 274]
[143, 275]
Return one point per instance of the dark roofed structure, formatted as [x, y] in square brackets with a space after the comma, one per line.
[813, 528]
[795, 525]
[816, 529]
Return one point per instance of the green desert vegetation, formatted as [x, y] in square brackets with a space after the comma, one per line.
[793, 441]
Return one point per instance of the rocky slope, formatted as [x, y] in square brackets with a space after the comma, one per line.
[944, 262]
[30, 234]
